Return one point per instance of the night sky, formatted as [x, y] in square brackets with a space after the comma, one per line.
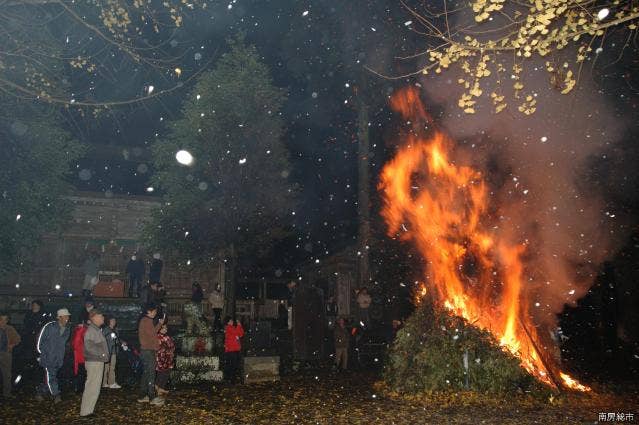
[313, 53]
[317, 51]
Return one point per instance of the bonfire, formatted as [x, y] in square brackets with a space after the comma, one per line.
[475, 265]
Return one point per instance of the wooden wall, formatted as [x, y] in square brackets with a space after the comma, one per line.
[112, 227]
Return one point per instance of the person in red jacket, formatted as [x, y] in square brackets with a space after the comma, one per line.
[77, 343]
[232, 347]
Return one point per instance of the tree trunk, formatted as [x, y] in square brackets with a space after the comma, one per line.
[363, 194]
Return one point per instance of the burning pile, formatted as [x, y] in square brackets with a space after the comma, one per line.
[475, 262]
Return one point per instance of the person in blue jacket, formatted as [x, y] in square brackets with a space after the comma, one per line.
[51, 345]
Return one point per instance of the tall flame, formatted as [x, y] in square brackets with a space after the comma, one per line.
[474, 264]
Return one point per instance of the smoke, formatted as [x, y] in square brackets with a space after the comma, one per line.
[538, 169]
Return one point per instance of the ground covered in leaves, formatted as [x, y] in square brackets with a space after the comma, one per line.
[352, 398]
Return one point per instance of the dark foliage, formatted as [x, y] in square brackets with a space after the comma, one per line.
[428, 355]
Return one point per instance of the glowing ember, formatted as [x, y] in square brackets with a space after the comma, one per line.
[475, 264]
[571, 383]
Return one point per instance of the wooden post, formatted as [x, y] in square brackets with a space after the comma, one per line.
[363, 195]
[551, 373]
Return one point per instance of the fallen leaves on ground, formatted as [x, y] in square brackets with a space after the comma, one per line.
[351, 398]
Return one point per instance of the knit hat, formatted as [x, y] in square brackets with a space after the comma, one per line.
[63, 312]
[94, 312]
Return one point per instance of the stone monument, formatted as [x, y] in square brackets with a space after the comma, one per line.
[196, 361]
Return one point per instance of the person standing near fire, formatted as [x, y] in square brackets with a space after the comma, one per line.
[342, 337]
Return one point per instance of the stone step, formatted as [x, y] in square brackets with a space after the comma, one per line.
[197, 363]
[190, 377]
[261, 369]
[253, 377]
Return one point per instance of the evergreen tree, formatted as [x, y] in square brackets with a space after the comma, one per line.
[36, 156]
[235, 196]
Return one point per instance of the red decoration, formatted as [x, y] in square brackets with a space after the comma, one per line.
[199, 346]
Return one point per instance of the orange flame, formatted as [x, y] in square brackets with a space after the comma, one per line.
[476, 269]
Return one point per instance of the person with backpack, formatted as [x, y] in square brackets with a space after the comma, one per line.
[51, 345]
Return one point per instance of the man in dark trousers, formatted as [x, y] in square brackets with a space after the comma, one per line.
[33, 321]
[155, 271]
[51, 346]
[135, 272]
[149, 344]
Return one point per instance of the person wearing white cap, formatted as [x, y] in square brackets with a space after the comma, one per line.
[51, 345]
[96, 353]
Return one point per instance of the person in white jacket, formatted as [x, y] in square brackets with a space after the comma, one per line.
[363, 302]
[216, 299]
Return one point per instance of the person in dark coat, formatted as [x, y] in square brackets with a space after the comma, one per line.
[135, 272]
[155, 271]
[33, 321]
[90, 268]
[51, 346]
[84, 314]
[197, 295]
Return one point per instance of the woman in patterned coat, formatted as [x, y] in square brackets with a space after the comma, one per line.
[164, 360]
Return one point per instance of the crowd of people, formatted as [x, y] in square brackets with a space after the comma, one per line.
[95, 342]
